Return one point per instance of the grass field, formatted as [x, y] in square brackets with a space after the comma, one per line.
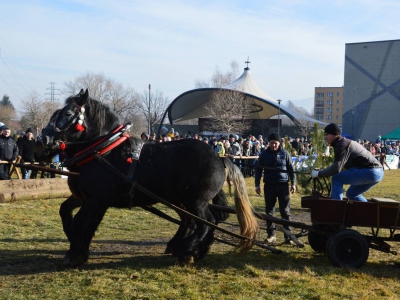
[127, 261]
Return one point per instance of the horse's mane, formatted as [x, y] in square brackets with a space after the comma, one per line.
[99, 117]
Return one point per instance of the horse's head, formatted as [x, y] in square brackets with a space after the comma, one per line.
[68, 123]
[82, 118]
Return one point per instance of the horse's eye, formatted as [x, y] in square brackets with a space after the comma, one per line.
[68, 113]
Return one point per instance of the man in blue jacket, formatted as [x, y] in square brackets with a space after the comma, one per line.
[275, 182]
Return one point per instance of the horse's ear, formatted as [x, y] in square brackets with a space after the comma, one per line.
[83, 97]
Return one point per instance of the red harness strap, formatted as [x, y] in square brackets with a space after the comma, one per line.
[120, 140]
[100, 141]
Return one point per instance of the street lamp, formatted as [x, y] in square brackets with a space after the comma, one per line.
[279, 114]
[148, 126]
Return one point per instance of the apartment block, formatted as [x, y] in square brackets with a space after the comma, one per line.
[328, 104]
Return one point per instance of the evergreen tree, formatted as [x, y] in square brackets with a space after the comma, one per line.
[6, 102]
[319, 160]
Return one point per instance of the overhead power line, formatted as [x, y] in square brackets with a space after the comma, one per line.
[20, 79]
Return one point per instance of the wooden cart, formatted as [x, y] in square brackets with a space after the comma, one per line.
[333, 232]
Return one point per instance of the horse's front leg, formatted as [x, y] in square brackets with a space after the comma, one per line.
[65, 212]
[83, 227]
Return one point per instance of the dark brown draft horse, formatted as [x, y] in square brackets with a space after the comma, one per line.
[186, 173]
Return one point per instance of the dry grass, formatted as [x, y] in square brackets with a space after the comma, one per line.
[127, 261]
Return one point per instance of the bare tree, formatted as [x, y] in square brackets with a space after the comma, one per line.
[122, 100]
[152, 106]
[228, 112]
[36, 112]
[7, 113]
[218, 79]
[305, 127]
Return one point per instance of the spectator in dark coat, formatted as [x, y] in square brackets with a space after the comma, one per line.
[276, 184]
[26, 147]
[8, 153]
[215, 146]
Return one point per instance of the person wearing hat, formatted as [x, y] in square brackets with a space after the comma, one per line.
[152, 137]
[362, 169]
[276, 183]
[8, 153]
[26, 148]
[144, 136]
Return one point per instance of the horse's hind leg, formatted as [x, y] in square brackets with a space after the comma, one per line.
[197, 245]
[185, 229]
[84, 224]
[65, 212]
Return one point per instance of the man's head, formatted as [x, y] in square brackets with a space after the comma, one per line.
[29, 133]
[152, 136]
[6, 131]
[331, 132]
[274, 141]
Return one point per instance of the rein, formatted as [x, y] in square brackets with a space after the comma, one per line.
[103, 145]
[269, 169]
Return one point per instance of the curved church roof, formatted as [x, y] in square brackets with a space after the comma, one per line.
[191, 104]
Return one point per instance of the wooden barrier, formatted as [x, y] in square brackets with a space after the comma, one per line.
[33, 189]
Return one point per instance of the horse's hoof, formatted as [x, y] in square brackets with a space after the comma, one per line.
[186, 261]
[74, 262]
[168, 250]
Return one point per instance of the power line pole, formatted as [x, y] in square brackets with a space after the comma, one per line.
[52, 94]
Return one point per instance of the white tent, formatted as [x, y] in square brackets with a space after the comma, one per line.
[190, 105]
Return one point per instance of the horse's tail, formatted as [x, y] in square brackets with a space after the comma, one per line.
[220, 199]
[244, 210]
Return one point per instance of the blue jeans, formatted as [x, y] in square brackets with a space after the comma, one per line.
[26, 174]
[360, 180]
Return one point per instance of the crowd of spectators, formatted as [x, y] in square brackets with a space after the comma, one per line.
[242, 150]
[12, 147]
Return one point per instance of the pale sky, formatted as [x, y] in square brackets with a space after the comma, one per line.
[294, 46]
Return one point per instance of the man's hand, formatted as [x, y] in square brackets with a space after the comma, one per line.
[258, 190]
[314, 173]
[293, 189]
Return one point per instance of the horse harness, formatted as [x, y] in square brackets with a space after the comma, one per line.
[108, 142]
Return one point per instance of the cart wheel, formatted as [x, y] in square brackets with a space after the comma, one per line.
[347, 248]
[317, 241]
